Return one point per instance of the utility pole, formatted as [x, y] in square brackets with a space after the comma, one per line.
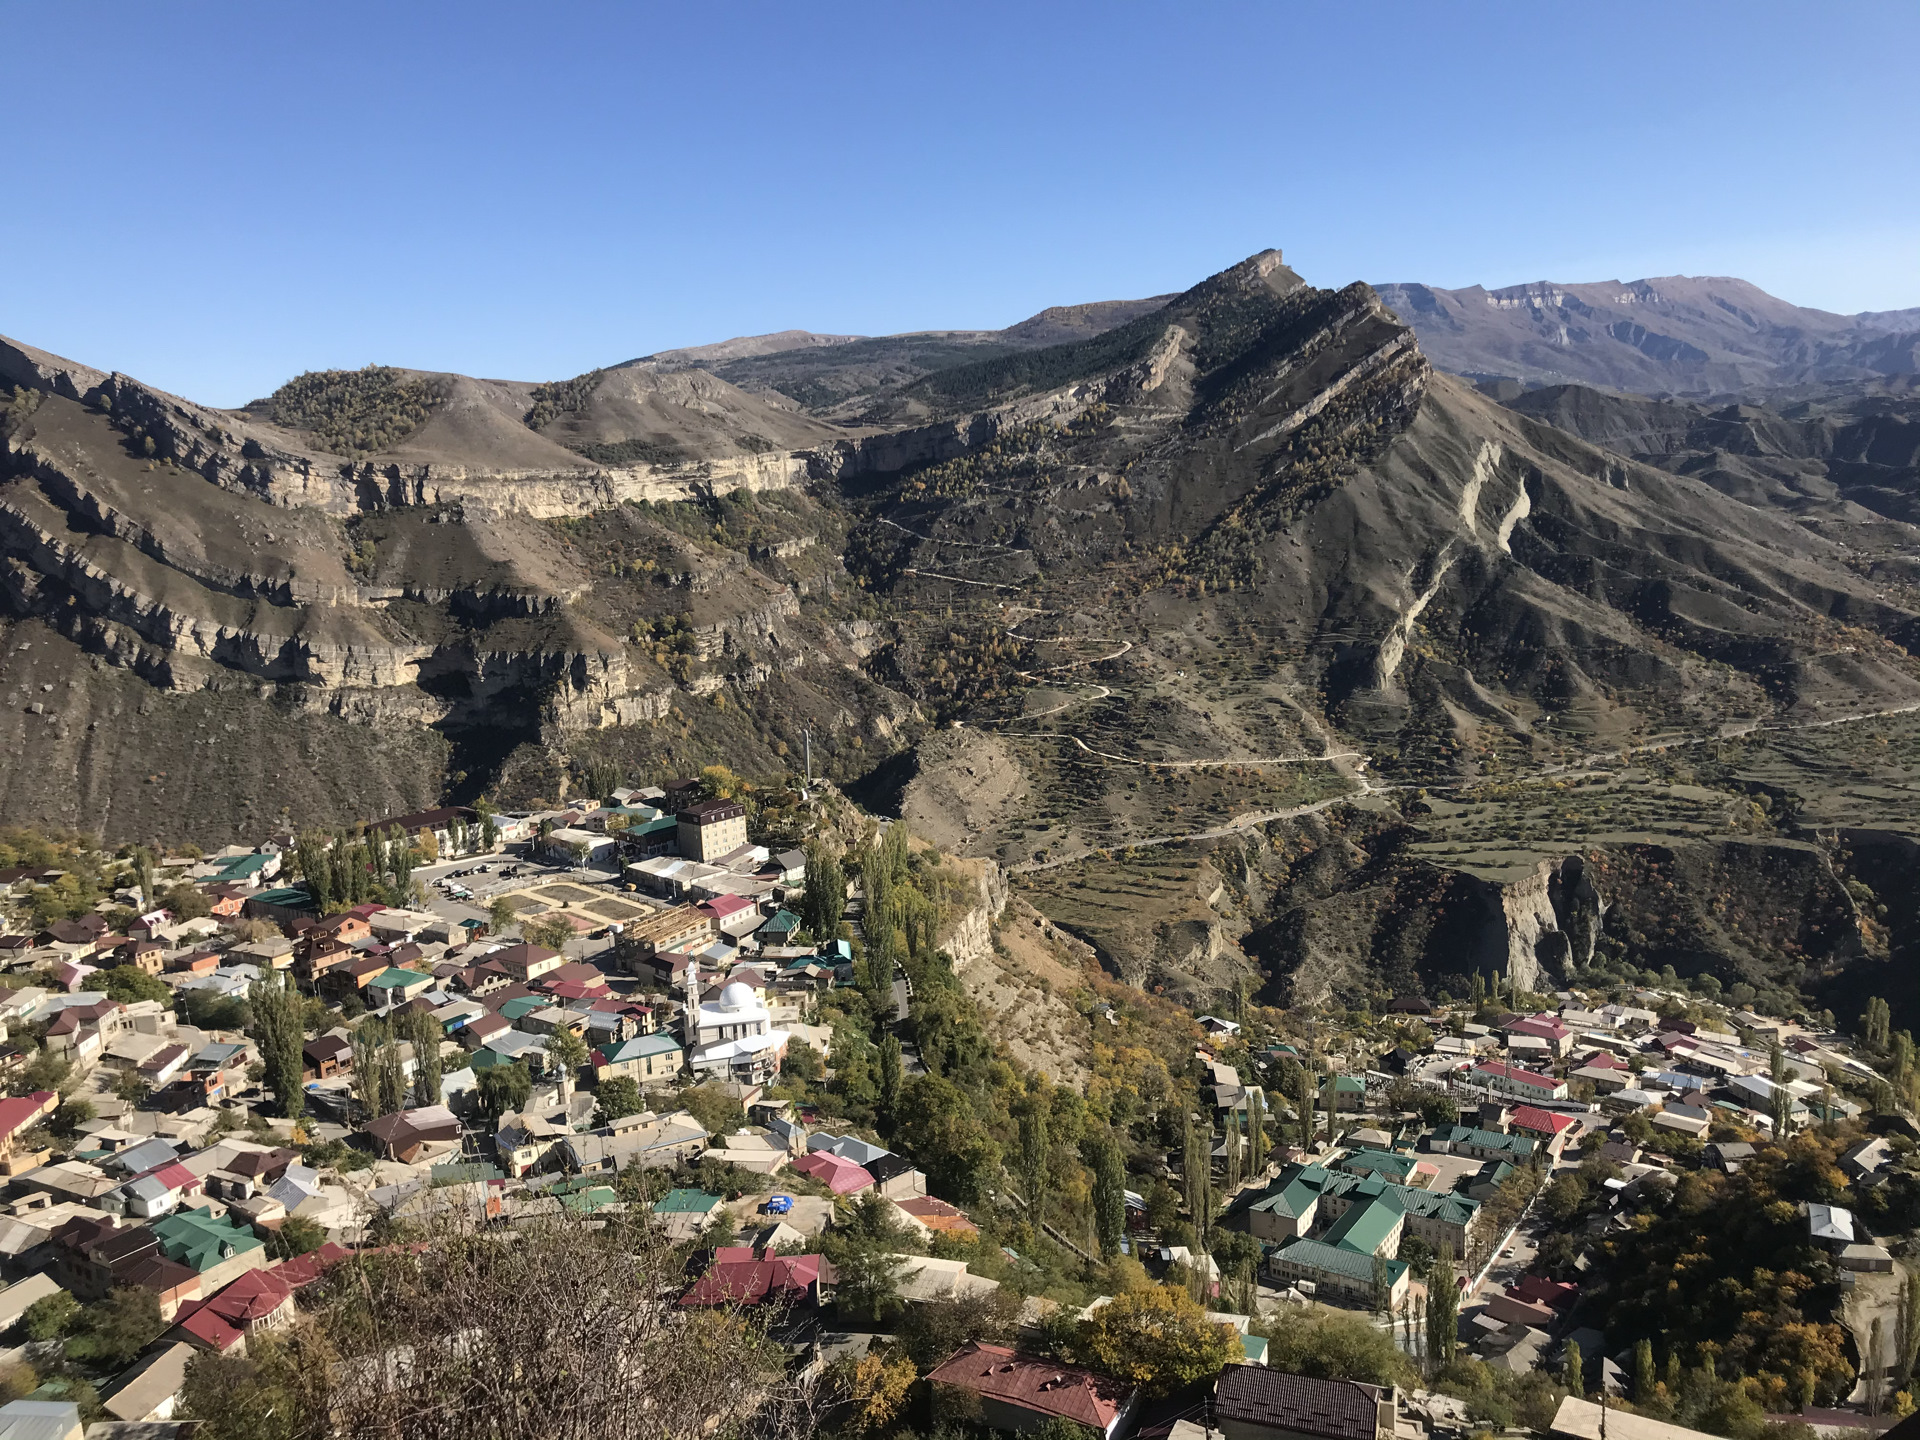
[807, 741]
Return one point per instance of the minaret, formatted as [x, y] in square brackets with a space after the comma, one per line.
[690, 1020]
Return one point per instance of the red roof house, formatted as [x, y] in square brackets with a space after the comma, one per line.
[19, 1112]
[839, 1175]
[1019, 1392]
[1549, 1129]
[199, 1325]
[258, 1300]
[575, 972]
[740, 1277]
[1539, 1290]
[1511, 1310]
[1517, 1081]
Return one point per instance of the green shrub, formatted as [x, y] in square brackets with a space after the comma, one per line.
[352, 411]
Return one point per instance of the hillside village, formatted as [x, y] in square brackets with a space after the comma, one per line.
[733, 1034]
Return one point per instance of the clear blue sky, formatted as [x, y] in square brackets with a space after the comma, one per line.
[215, 197]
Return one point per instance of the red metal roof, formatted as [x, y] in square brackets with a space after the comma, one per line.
[1544, 1122]
[1045, 1387]
[302, 1270]
[1549, 1027]
[1541, 1291]
[1515, 1072]
[206, 1326]
[254, 1296]
[176, 1176]
[734, 1280]
[21, 1111]
[839, 1175]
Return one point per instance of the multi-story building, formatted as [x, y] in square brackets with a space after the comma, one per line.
[711, 829]
[683, 927]
[1520, 1083]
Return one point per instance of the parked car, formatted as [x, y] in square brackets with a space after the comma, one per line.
[778, 1205]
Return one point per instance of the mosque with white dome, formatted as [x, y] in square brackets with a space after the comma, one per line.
[732, 1037]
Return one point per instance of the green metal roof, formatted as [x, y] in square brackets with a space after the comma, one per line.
[1518, 1146]
[465, 1173]
[1291, 1199]
[242, 865]
[587, 1202]
[686, 1202]
[524, 1005]
[393, 978]
[1350, 1264]
[1368, 1225]
[287, 895]
[1377, 1162]
[1298, 1184]
[194, 1238]
[639, 1048]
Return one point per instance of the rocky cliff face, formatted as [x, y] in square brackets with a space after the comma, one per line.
[1232, 566]
[968, 939]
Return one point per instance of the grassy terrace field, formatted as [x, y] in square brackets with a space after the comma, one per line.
[1091, 802]
[1113, 902]
[1502, 831]
[1863, 774]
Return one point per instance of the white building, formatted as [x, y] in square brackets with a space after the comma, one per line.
[733, 1038]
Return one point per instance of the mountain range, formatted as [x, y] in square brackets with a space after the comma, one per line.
[1677, 335]
[1328, 637]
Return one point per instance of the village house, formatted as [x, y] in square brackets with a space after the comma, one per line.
[1549, 1130]
[646, 1140]
[327, 1056]
[258, 1301]
[1554, 1035]
[928, 1217]
[1517, 1082]
[409, 1135]
[740, 1275]
[1481, 1144]
[646, 1060]
[1005, 1390]
[1251, 1402]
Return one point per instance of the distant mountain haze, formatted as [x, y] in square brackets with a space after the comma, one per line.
[1675, 335]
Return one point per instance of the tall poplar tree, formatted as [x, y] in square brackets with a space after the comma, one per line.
[1443, 1310]
[1109, 1194]
[279, 1028]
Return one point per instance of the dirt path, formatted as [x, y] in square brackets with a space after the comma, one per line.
[961, 544]
[960, 580]
[1737, 731]
[1063, 705]
[1874, 1296]
[1251, 820]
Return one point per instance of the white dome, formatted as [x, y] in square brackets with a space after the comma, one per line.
[737, 997]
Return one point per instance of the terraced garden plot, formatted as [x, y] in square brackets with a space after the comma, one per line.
[567, 894]
[616, 909]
